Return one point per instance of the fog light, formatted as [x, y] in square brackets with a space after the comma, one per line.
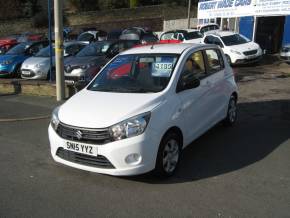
[133, 159]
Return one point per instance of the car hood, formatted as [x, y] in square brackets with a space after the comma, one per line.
[11, 57]
[32, 61]
[244, 47]
[79, 61]
[91, 109]
[199, 40]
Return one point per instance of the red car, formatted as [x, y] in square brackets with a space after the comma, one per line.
[31, 37]
[6, 44]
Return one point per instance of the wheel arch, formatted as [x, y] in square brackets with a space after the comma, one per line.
[176, 130]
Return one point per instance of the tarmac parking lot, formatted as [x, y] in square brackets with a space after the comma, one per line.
[241, 171]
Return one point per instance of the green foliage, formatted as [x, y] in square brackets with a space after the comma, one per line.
[133, 3]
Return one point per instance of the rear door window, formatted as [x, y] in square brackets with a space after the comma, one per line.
[214, 61]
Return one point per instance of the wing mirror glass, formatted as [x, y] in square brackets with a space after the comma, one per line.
[187, 81]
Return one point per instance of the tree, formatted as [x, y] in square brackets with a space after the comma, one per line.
[133, 3]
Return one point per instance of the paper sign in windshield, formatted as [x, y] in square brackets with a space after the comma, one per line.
[162, 69]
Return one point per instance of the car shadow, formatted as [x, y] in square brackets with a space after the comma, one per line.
[262, 127]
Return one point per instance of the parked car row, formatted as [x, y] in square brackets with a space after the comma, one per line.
[237, 48]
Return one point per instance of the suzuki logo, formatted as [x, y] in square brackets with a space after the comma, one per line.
[79, 134]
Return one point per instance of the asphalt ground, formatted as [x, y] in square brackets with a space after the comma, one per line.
[243, 171]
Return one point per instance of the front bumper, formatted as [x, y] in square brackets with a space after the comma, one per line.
[246, 59]
[6, 70]
[33, 74]
[116, 153]
[285, 56]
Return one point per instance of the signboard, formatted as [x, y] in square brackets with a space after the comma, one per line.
[272, 7]
[242, 8]
[225, 8]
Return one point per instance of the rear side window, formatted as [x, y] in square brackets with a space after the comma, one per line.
[214, 61]
[195, 64]
[167, 36]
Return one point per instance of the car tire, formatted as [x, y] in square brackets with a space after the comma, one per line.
[17, 72]
[231, 117]
[229, 59]
[168, 155]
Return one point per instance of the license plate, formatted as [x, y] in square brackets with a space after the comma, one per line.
[251, 56]
[81, 148]
[26, 72]
[69, 82]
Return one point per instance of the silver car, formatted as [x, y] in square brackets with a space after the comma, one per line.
[37, 67]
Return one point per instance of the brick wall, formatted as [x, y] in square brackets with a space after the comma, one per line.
[151, 16]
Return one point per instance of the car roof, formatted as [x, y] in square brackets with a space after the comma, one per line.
[181, 31]
[207, 24]
[220, 33]
[177, 48]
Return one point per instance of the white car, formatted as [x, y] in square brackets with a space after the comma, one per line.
[185, 36]
[285, 53]
[143, 108]
[207, 27]
[237, 48]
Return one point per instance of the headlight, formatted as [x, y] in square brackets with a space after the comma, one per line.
[236, 52]
[131, 127]
[39, 65]
[84, 67]
[54, 119]
[7, 62]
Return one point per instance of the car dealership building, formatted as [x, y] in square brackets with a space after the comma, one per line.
[266, 22]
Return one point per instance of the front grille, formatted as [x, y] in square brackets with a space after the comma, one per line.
[87, 160]
[252, 52]
[93, 136]
[73, 78]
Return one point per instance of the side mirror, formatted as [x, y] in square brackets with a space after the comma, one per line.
[187, 81]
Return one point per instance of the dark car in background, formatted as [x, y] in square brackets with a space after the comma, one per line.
[145, 35]
[87, 63]
[114, 34]
[10, 62]
[92, 35]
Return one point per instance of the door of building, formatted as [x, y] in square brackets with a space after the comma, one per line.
[269, 33]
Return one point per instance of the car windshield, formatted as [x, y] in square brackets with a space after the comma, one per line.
[94, 49]
[45, 52]
[136, 73]
[18, 49]
[193, 35]
[235, 39]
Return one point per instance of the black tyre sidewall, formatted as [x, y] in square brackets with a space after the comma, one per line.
[159, 168]
[227, 121]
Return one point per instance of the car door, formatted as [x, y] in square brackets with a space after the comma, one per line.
[216, 80]
[195, 102]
